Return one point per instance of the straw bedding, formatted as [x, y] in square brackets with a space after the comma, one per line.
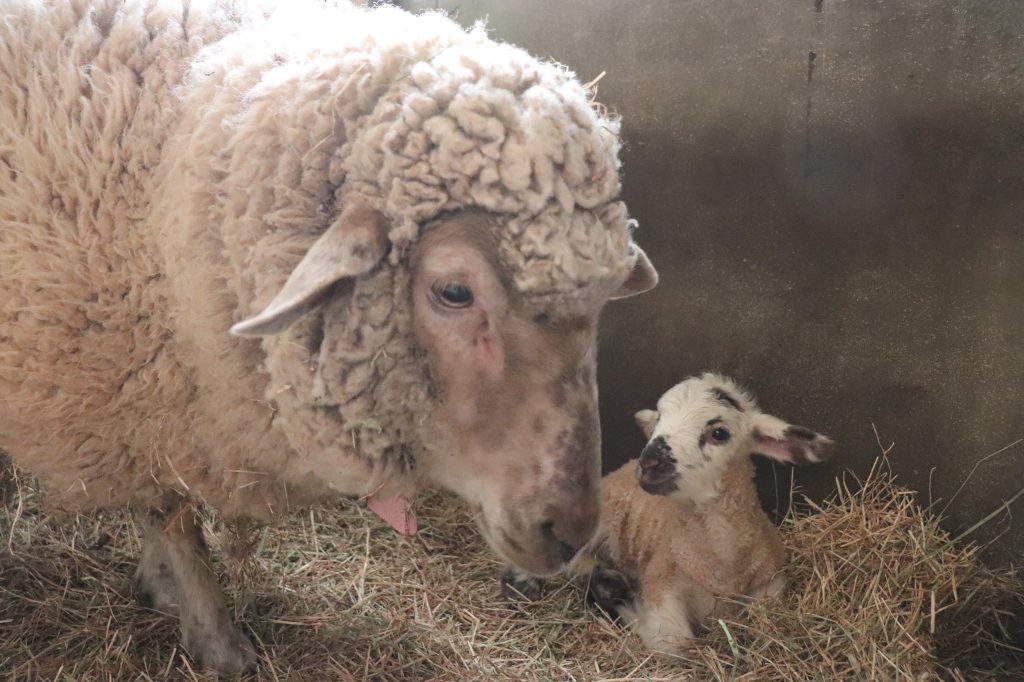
[878, 592]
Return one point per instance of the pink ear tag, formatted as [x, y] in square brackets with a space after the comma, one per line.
[396, 512]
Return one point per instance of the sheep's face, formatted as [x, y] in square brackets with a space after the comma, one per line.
[508, 417]
[515, 429]
[701, 426]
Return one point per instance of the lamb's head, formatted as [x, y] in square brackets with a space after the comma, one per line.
[703, 424]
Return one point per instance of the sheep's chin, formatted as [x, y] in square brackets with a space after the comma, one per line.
[544, 564]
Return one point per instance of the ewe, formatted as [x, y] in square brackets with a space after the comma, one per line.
[420, 225]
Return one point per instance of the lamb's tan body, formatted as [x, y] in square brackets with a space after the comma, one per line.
[686, 559]
[682, 535]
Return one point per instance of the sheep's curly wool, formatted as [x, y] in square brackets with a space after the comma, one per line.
[163, 168]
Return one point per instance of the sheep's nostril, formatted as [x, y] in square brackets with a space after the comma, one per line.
[566, 550]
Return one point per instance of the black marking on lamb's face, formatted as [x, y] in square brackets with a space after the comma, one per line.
[725, 398]
[656, 468]
[799, 432]
[798, 454]
[703, 439]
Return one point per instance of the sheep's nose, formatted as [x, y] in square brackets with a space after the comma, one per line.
[656, 468]
[571, 529]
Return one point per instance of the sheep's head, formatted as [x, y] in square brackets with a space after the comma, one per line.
[459, 288]
[511, 424]
[701, 426]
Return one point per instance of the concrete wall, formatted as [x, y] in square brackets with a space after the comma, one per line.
[833, 193]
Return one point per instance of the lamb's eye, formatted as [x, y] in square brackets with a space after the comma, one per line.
[453, 294]
[720, 435]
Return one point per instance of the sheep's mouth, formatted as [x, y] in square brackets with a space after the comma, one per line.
[661, 486]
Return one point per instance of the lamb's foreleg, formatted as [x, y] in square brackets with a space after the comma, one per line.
[175, 577]
[668, 621]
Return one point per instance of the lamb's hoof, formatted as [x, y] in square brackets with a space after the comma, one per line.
[518, 586]
[226, 651]
[609, 590]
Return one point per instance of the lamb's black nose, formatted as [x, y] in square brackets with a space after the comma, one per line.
[656, 454]
[656, 468]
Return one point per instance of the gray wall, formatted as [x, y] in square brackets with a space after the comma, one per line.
[833, 193]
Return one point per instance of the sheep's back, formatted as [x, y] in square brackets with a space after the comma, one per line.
[93, 390]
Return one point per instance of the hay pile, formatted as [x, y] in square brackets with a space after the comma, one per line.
[878, 591]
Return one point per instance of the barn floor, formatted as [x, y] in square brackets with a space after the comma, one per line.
[879, 592]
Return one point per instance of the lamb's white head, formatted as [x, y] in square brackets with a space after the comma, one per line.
[702, 425]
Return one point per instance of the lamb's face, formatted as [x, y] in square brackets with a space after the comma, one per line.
[701, 426]
[515, 431]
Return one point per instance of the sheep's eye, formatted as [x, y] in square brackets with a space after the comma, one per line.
[720, 435]
[453, 294]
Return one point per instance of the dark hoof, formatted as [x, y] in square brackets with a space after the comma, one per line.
[609, 590]
[519, 586]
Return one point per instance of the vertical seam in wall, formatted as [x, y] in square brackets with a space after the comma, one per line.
[815, 60]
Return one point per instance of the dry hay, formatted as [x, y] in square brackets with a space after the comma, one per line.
[878, 592]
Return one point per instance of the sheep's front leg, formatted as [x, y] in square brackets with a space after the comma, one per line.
[175, 577]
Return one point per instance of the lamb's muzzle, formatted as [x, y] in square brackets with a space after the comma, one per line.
[656, 468]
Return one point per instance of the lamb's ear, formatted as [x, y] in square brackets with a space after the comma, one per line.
[351, 246]
[646, 420]
[787, 443]
[643, 277]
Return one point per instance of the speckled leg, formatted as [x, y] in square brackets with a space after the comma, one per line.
[155, 585]
[176, 577]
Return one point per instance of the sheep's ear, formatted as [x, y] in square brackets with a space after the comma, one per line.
[646, 420]
[789, 444]
[643, 277]
[352, 246]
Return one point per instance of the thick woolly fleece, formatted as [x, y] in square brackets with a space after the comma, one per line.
[165, 164]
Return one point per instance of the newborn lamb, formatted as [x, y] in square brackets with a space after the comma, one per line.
[682, 534]
[683, 524]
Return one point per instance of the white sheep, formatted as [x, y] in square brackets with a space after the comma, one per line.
[682, 533]
[420, 225]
